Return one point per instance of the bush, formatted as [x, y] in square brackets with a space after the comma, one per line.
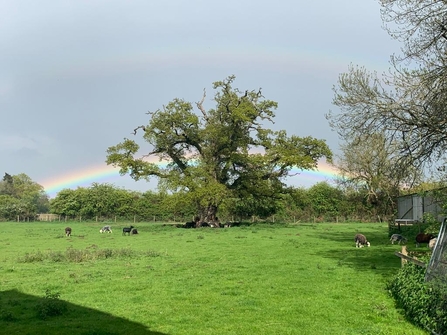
[7, 316]
[425, 304]
[433, 225]
[50, 306]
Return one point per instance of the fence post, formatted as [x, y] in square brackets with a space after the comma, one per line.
[404, 252]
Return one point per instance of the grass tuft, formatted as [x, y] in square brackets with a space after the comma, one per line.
[89, 254]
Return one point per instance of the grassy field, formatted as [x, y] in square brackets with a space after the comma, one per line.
[262, 279]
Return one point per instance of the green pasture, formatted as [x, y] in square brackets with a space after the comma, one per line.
[260, 279]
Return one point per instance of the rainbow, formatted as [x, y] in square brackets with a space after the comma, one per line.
[80, 178]
[105, 173]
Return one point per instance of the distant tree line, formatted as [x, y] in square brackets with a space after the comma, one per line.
[22, 198]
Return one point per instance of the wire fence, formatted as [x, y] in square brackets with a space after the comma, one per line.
[170, 218]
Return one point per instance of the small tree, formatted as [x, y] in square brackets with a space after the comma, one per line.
[373, 166]
[218, 154]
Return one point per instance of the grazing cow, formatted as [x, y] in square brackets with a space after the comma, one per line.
[105, 229]
[68, 231]
[432, 243]
[423, 238]
[361, 241]
[127, 230]
[134, 231]
[190, 224]
[397, 238]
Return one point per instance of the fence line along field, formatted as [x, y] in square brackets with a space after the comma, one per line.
[257, 279]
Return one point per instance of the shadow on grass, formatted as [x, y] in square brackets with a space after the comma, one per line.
[378, 258]
[376, 238]
[382, 261]
[26, 314]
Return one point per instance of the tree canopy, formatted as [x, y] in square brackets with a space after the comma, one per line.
[408, 105]
[20, 196]
[213, 155]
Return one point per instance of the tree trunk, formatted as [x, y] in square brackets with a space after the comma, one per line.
[209, 216]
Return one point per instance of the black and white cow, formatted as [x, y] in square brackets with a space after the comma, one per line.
[68, 231]
[105, 229]
[397, 238]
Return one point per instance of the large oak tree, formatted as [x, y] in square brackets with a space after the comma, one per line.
[218, 154]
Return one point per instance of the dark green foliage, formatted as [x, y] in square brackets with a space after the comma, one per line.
[433, 225]
[6, 315]
[21, 197]
[51, 306]
[325, 199]
[425, 304]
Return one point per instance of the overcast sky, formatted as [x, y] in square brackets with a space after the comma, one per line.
[78, 76]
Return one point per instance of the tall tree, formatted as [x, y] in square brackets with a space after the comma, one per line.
[221, 153]
[7, 185]
[408, 105]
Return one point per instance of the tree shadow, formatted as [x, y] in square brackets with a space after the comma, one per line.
[27, 314]
[379, 257]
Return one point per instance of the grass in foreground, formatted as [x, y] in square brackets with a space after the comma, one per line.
[263, 279]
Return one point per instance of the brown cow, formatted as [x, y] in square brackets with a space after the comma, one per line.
[361, 241]
[423, 238]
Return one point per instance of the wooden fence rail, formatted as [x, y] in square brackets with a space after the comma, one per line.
[405, 258]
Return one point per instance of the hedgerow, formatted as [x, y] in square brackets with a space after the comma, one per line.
[424, 304]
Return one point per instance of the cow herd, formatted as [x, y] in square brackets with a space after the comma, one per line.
[359, 239]
[108, 229]
[421, 238]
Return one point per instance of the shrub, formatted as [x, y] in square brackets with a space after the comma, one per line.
[433, 225]
[32, 257]
[425, 304]
[83, 255]
[6, 316]
[76, 255]
[50, 306]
